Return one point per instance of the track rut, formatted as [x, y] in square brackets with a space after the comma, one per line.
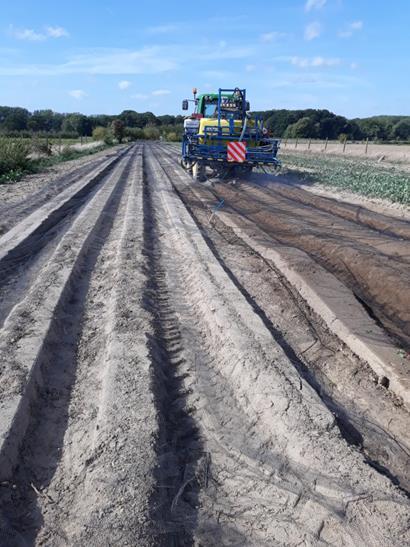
[153, 403]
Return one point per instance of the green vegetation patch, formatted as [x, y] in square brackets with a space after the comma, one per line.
[362, 177]
[15, 160]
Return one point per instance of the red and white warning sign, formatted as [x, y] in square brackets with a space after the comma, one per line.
[236, 151]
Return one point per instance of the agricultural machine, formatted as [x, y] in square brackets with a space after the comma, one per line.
[222, 134]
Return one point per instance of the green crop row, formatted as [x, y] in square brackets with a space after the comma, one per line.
[359, 176]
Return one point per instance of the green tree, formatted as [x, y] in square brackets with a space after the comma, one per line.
[134, 133]
[150, 119]
[103, 120]
[99, 133]
[130, 118]
[118, 130]
[303, 128]
[42, 120]
[77, 123]
[13, 118]
[166, 119]
[401, 130]
[373, 128]
[151, 132]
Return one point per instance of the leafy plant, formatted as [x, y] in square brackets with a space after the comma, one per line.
[151, 132]
[14, 156]
[42, 147]
[118, 130]
[360, 176]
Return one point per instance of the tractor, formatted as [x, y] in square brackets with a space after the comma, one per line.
[225, 137]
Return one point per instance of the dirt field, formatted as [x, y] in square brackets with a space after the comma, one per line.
[390, 153]
[164, 383]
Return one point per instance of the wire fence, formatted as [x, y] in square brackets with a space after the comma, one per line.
[365, 148]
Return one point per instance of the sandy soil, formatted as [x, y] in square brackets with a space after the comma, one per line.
[327, 364]
[371, 256]
[368, 251]
[170, 392]
[377, 205]
[17, 200]
[86, 145]
[390, 153]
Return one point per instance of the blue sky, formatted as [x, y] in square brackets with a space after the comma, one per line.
[350, 56]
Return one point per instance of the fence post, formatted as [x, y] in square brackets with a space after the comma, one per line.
[344, 144]
[310, 140]
[367, 145]
[327, 139]
[286, 142]
[296, 143]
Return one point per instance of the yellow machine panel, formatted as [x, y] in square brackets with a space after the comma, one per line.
[213, 122]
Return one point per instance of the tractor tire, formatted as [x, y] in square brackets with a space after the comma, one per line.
[243, 170]
[198, 172]
[186, 164]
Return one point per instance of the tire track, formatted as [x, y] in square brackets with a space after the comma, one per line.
[22, 258]
[246, 400]
[378, 279]
[31, 321]
[385, 225]
[162, 410]
[12, 213]
[309, 348]
[179, 445]
[29, 506]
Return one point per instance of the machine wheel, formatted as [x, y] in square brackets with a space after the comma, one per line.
[243, 170]
[186, 164]
[198, 171]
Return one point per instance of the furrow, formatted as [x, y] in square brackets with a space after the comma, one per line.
[255, 412]
[23, 340]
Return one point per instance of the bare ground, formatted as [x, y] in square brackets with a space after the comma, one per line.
[20, 198]
[182, 394]
[388, 153]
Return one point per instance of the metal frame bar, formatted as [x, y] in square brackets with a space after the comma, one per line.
[217, 151]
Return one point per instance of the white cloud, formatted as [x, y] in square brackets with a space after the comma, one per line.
[250, 68]
[139, 96]
[27, 34]
[148, 60]
[218, 75]
[77, 94]
[318, 80]
[124, 84]
[356, 25]
[33, 36]
[306, 62]
[354, 66]
[314, 4]
[350, 29]
[159, 92]
[213, 54]
[57, 32]
[154, 59]
[269, 37]
[162, 29]
[312, 31]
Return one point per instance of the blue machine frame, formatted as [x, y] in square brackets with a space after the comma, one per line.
[263, 154]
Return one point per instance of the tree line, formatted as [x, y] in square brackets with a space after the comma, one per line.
[16, 121]
[323, 124]
[308, 123]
